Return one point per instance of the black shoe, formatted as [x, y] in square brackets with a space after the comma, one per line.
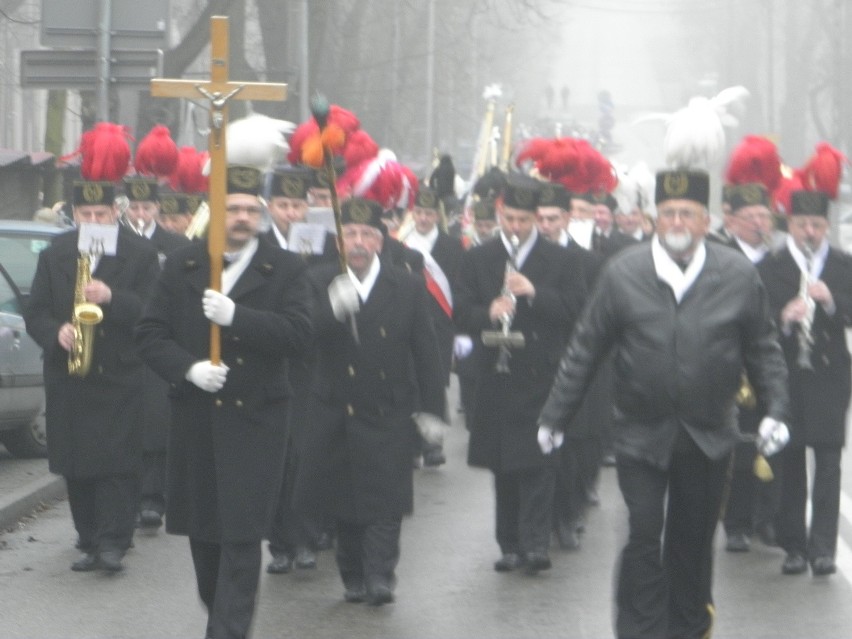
[150, 519]
[355, 593]
[378, 591]
[765, 531]
[536, 562]
[737, 542]
[823, 566]
[86, 563]
[567, 535]
[110, 560]
[324, 541]
[305, 559]
[508, 562]
[279, 565]
[433, 458]
[794, 564]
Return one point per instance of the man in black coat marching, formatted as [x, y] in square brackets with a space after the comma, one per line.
[541, 291]
[228, 431]
[377, 365]
[94, 422]
[809, 292]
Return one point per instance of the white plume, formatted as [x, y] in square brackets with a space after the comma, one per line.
[258, 140]
[636, 188]
[695, 135]
[492, 92]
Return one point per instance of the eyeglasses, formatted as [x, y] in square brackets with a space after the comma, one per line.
[233, 209]
[687, 215]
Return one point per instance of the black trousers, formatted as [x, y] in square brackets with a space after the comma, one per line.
[368, 551]
[524, 509]
[153, 481]
[291, 529]
[569, 495]
[227, 575]
[665, 572]
[825, 502]
[104, 511]
[751, 501]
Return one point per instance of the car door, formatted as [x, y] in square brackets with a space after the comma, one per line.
[21, 376]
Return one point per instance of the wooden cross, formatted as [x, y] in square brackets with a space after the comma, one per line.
[218, 91]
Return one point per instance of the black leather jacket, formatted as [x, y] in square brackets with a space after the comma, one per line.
[676, 365]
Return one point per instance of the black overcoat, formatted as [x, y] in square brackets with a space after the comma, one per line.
[357, 458]
[503, 432]
[226, 449]
[819, 398]
[94, 425]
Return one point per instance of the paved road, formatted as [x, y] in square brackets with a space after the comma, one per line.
[447, 588]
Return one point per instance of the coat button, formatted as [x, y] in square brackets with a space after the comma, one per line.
[382, 331]
[100, 370]
[235, 338]
[240, 361]
[351, 370]
[382, 375]
[101, 332]
[238, 403]
[350, 410]
[825, 359]
[218, 402]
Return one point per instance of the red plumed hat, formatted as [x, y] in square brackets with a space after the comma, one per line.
[574, 163]
[157, 153]
[105, 152]
[822, 172]
[755, 160]
[782, 196]
[188, 175]
[306, 142]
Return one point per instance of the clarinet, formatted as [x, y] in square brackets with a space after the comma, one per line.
[502, 365]
[805, 335]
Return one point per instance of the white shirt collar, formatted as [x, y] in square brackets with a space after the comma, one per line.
[668, 270]
[423, 243]
[282, 241]
[755, 254]
[817, 261]
[523, 250]
[239, 262]
[364, 287]
[564, 238]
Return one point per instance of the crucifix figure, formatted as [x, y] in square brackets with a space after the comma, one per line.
[218, 91]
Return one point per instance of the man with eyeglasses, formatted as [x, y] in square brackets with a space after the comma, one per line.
[228, 431]
[682, 317]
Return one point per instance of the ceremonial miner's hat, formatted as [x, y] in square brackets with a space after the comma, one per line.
[607, 199]
[427, 198]
[141, 189]
[741, 195]
[683, 184]
[291, 182]
[319, 177]
[244, 179]
[820, 179]
[521, 192]
[358, 210]
[484, 210]
[754, 171]
[554, 194]
[105, 154]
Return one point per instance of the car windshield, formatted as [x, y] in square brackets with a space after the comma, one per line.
[20, 256]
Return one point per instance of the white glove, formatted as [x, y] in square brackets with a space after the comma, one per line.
[772, 436]
[548, 439]
[343, 297]
[431, 428]
[207, 376]
[462, 346]
[218, 307]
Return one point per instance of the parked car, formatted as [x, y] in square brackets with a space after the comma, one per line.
[22, 428]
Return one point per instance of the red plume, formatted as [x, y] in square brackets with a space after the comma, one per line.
[188, 176]
[105, 151]
[359, 147]
[306, 141]
[782, 195]
[755, 160]
[602, 175]
[823, 170]
[157, 153]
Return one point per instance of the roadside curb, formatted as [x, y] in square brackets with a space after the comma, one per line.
[23, 501]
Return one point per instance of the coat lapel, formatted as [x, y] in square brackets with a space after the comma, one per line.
[380, 296]
[256, 272]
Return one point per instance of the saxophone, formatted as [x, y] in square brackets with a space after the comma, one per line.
[84, 318]
[805, 335]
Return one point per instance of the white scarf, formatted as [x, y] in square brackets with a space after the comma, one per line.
[668, 270]
[239, 263]
[366, 285]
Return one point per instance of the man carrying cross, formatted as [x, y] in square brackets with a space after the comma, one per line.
[227, 439]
